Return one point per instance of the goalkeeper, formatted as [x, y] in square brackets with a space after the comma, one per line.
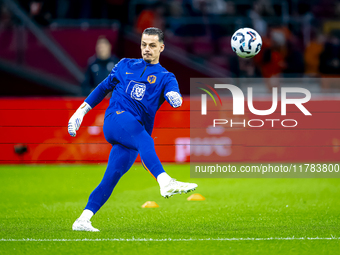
[139, 87]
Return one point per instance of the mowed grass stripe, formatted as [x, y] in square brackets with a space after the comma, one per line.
[167, 239]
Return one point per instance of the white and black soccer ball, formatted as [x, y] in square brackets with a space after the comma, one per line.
[246, 42]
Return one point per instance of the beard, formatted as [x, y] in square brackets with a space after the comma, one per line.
[147, 58]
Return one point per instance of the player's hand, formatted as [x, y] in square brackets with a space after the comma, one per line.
[175, 99]
[77, 118]
[74, 123]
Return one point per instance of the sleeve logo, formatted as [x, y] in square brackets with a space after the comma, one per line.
[152, 79]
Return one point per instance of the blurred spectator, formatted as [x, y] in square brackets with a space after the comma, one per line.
[271, 59]
[330, 56]
[188, 30]
[176, 12]
[81, 9]
[214, 10]
[216, 7]
[187, 6]
[293, 62]
[5, 17]
[151, 17]
[209, 27]
[230, 8]
[265, 8]
[258, 23]
[230, 12]
[312, 54]
[260, 9]
[208, 7]
[273, 55]
[99, 67]
[40, 11]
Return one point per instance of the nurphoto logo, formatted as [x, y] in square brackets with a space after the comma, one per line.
[239, 100]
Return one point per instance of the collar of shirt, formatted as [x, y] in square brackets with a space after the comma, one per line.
[149, 64]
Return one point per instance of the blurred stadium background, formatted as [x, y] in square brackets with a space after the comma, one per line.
[47, 50]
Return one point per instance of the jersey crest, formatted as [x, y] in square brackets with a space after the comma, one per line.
[152, 79]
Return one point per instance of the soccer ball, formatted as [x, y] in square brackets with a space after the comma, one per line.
[246, 42]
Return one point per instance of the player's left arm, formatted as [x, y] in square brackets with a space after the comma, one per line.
[96, 96]
[171, 92]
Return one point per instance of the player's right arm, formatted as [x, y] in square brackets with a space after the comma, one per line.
[96, 96]
[171, 92]
[77, 118]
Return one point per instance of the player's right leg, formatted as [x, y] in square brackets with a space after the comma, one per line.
[124, 128]
[120, 161]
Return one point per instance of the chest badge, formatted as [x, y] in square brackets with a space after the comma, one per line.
[152, 79]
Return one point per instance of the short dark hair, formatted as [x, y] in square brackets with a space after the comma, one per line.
[155, 31]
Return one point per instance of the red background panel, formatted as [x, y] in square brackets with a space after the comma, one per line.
[41, 124]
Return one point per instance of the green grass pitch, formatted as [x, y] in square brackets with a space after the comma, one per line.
[41, 202]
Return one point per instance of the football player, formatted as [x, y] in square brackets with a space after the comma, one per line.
[139, 87]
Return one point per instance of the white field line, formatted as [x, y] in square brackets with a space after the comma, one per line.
[166, 239]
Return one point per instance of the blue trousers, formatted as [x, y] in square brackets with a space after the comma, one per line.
[128, 138]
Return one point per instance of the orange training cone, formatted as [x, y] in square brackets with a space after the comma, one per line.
[150, 204]
[196, 197]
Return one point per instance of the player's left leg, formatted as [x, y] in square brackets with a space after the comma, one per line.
[120, 161]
